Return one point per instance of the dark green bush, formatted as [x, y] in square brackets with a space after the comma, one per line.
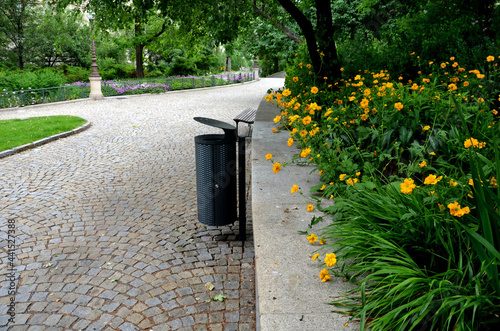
[182, 66]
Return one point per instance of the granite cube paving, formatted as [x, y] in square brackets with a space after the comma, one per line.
[106, 219]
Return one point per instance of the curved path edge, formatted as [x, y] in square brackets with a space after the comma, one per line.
[289, 293]
[44, 141]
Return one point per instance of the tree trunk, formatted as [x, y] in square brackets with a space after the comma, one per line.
[20, 57]
[320, 44]
[139, 49]
[139, 69]
[330, 66]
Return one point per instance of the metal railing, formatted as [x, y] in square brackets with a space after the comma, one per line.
[11, 99]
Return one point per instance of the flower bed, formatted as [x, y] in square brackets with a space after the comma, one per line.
[412, 168]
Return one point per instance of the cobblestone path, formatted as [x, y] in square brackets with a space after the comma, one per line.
[105, 221]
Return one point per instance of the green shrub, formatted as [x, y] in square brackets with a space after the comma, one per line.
[23, 80]
[182, 66]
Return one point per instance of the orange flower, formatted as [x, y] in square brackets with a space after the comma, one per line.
[310, 207]
[305, 152]
[432, 179]
[312, 238]
[398, 106]
[407, 186]
[276, 167]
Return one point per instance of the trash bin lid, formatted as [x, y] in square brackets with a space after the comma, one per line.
[215, 123]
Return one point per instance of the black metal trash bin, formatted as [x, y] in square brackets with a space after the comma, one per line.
[216, 170]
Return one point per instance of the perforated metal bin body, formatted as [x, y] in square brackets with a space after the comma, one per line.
[216, 175]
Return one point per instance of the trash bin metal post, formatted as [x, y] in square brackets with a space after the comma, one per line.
[242, 213]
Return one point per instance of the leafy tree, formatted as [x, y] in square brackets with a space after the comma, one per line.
[148, 19]
[59, 37]
[14, 20]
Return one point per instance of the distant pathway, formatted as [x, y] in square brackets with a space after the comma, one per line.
[105, 221]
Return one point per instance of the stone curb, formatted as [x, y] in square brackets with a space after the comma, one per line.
[289, 293]
[44, 141]
[122, 96]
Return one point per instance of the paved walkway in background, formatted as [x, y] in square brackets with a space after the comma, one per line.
[105, 221]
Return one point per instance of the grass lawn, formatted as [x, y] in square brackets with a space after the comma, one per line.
[16, 132]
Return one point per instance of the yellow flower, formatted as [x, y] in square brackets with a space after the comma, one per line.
[330, 260]
[471, 182]
[306, 120]
[427, 127]
[290, 142]
[364, 103]
[322, 241]
[310, 207]
[274, 130]
[407, 186]
[493, 182]
[398, 106]
[277, 119]
[305, 152]
[276, 167]
[303, 133]
[324, 274]
[315, 256]
[351, 181]
[452, 87]
[295, 79]
[358, 173]
[455, 209]
[432, 179]
[314, 90]
[490, 58]
[322, 187]
[294, 188]
[342, 176]
[471, 142]
[422, 164]
[312, 238]
[466, 83]
[286, 92]
[453, 183]
[269, 156]
[443, 65]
